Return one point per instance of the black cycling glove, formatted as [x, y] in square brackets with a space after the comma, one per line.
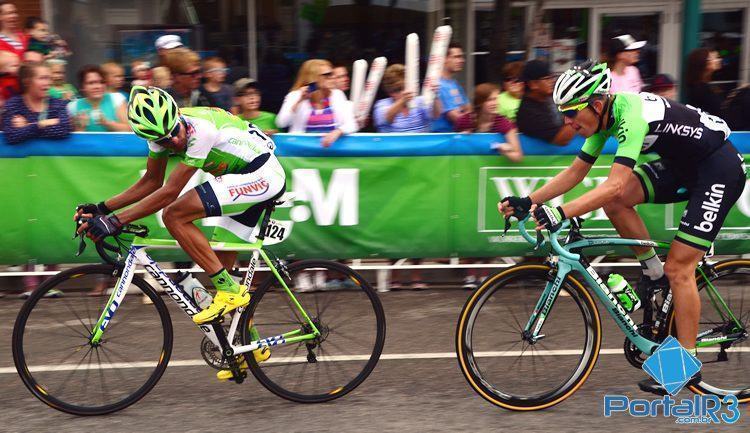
[101, 226]
[520, 205]
[94, 209]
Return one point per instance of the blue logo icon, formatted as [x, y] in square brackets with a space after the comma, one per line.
[671, 365]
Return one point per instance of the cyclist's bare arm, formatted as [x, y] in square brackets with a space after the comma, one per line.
[562, 182]
[162, 197]
[152, 180]
[610, 190]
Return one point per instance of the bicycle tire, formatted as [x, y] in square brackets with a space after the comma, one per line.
[723, 269]
[44, 393]
[467, 359]
[331, 392]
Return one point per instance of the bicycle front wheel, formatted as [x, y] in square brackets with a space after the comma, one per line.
[726, 366]
[56, 360]
[503, 366]
[343, 307]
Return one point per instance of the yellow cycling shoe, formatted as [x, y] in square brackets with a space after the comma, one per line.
[223, 303]
[260, 355]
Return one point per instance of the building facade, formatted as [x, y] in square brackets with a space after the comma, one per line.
[268, 39]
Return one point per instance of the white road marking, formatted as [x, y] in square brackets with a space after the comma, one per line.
[384, 357]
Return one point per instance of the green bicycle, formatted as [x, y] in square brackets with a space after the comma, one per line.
[510, 362]
[93, 355]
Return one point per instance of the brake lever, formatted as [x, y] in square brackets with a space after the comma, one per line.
[81, 245]
[539, 240]
[507, 226]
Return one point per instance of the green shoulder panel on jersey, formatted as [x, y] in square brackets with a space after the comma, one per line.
[593, 146]
[630, 128]
[220, 118]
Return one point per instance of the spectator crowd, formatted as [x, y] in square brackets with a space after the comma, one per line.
[33, 88]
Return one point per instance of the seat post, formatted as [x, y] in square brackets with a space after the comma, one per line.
[266, 220]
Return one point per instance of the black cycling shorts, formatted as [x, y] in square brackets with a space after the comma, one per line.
[711, 187]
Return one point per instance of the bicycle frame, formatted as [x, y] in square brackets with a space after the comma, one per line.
[569, 262]
[137, 256]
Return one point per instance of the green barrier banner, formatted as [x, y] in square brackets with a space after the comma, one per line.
[343, 207]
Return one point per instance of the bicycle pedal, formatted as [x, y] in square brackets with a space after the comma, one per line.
[238, 377]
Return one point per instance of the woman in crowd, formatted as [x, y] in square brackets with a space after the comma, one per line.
[624, 53]
[314, 105]
[484, 118]
[11, 37]
[701, 65]
[393, 114]
[33, 114]
[98, 110]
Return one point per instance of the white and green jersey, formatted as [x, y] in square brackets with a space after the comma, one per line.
[220, 143]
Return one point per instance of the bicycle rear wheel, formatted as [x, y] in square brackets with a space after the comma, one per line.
[58, 363]
[506, 369]
[725, 371]
[344, 308]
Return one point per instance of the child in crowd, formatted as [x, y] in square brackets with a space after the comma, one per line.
[38, 31]
[161, 77]
[248, 103]
[141, 72]
[59, 88]
[114, 78]
[9, 84]
[213, 89]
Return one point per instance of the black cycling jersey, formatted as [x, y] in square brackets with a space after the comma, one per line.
[644, 123]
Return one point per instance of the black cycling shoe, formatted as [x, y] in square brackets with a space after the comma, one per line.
[647, 288]
[654, 387]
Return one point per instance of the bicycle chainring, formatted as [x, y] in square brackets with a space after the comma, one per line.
[211, 353]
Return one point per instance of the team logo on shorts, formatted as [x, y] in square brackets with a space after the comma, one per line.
[250, 189]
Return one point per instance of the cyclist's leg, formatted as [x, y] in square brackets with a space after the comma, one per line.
[718, 186]
[179, 217]
[227, 258]
[623, 216]
[237, 199]
[680, 269]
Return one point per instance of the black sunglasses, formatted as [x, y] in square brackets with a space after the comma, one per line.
[173, 133]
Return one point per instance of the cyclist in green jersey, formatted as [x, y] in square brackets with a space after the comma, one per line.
[698, 165]
[246, 174]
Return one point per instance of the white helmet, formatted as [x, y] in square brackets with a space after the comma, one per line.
[580, 82]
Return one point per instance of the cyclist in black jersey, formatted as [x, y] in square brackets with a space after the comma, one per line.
[698, 164]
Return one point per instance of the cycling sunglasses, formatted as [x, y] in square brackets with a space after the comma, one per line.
[572, 111]
[173, 133]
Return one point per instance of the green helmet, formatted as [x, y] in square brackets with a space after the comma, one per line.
[152, 112]
[579, 83]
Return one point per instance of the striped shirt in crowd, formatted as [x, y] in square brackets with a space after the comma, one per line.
[321, 120]
[417, 120]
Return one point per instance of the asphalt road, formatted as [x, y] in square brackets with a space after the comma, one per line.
[419, 388]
